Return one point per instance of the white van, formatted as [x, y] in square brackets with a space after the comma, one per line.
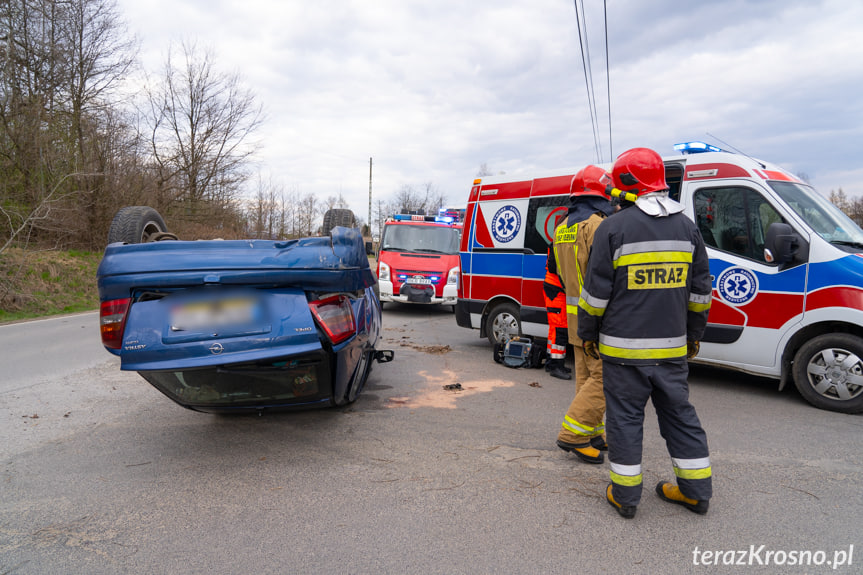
[786, 265]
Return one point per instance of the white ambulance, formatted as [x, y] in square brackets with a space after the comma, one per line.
[786, 266]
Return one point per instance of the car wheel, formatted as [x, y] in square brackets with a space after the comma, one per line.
[136, 225]
[828, 372]
[502, 321]
[363, 370]
[338, 217]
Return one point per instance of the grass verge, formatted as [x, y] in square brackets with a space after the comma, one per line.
[47, 282]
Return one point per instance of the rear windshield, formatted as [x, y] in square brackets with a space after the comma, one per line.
[418, 238]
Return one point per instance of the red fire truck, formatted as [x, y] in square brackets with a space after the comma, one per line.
[418, 259]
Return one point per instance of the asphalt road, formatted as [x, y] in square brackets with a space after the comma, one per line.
[100, 473]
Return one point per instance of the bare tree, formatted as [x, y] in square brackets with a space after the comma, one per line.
[840, 200]
[59, 61]
[99, 55]
[426, 200]
[307, 215]
[266, 216]
[382, 211]
[201, 125]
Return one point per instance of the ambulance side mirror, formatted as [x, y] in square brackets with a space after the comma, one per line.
[781, 243]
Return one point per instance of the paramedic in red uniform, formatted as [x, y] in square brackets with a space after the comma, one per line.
[555, 306]
[643, 310]
[582, 430]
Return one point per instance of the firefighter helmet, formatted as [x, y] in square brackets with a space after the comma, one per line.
[590, 181]
[640, 171]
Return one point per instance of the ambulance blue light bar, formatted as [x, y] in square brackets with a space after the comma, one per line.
[418, 218]
[695, 148]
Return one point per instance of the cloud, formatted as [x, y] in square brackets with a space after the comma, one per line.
[431, 91]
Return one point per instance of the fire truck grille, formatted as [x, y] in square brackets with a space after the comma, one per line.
[412, 276]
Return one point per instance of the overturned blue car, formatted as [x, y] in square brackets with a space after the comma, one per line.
[240, 325]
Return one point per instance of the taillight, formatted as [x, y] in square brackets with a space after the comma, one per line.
[336, 316]
[112, 321]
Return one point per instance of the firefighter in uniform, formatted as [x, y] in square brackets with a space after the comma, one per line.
[582, 430]
[643, 310]
[555, 306]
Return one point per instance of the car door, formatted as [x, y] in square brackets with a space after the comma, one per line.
[754, 302]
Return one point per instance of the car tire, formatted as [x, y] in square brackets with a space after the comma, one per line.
[136, 225]
[338, 217]
[828, 372]
[363, 370]
[502, 320]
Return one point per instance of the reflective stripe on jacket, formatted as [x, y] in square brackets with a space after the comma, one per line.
[572, 240]
[647, 289]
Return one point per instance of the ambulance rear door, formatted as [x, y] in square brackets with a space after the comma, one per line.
[755, 303]
[549, 202]
[495, 245]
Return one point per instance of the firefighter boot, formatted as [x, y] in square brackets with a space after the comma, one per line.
[555, 368]
[549, 363]
[599, 443]
[584, 451]
[625, 511]
[672, 494]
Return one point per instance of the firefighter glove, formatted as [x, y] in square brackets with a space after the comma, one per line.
[692, 349]
[589, 347]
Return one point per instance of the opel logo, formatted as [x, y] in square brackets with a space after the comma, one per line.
[217, 348]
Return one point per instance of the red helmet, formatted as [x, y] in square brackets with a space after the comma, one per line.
[640, 171]
[590, 181]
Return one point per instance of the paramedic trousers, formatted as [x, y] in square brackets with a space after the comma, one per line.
[558, 336]
[583, 419]
[627, 389]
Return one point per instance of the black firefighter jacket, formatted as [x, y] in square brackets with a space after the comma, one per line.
[647, 290]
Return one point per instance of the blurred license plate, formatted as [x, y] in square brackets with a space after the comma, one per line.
[215, 313]
[419, 281]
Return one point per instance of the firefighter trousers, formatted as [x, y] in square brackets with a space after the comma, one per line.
[627, 389]
[583, 419]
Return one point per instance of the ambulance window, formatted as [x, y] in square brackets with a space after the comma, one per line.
[673, 177]
[543, 213]
[826, 219]
[734, 220]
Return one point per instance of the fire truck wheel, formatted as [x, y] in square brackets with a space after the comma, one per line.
[828, 372]
[502, 321]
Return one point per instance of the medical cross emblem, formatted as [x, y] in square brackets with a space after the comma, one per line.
[506, 223]
[737, 286]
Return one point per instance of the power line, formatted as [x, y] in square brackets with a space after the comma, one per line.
[588, 79]
[584, 45]
[607, 81]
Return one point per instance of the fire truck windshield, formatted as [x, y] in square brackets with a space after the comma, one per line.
[823, 216]
[420, 238]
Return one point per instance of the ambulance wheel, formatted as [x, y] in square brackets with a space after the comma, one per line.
[828, 372]
[502, 321]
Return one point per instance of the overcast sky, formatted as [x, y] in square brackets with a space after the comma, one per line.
[432, 90]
